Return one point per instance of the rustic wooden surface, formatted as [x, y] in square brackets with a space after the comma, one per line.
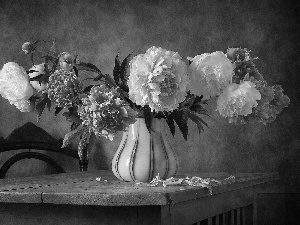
[78, 198]
[81, 188]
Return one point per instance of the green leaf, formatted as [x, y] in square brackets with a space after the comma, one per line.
[197, 106]
[170, 123]
[202, 121]
[124, 74]
[75, 70]
[198, 100]
[148, 117]
[38, 41]
[74, 125]
[72, 135]
[199, 109]
[202, 112]
[57, 110]
[123, 70]
[40, 106]
[72, 117]
[88, 67]
[40, 78]
[110, 82]
[73, 110]
[189, 100]
[36, 97]
[49, 104]
[31, 71]
[196, 119]
[50, 58]
[99, 77]
[88, 88]
[116, 71]
[180, 117]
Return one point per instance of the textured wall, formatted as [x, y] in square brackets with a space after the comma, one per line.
[97, 30]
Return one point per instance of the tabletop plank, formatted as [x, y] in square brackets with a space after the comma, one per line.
[82, 188]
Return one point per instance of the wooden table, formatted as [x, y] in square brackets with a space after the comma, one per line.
[78, 198]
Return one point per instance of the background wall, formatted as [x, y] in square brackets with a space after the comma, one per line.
[98, 30]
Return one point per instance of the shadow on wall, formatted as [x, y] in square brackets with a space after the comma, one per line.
[98, 30]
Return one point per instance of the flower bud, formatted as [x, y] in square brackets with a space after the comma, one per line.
[27, 47]
[66, 61]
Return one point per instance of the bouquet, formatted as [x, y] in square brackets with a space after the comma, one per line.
[156, 84]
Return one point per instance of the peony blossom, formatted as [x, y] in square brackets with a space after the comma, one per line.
[238, 99]
[15, 86]
[210, 74]
[104, 112]
[38, 70]
[158, 78]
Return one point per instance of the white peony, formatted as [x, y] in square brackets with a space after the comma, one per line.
[210, 74]
[238, 99]
[158, 78]
[15, 86]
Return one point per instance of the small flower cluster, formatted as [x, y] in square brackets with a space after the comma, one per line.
[249, 98]
[104, 112]
[63, 88]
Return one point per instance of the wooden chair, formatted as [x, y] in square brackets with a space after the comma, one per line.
[29, 136]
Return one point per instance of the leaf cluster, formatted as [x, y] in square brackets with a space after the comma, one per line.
[191, 109]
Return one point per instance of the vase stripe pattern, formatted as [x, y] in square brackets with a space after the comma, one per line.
[132, 157]
[142, 155]
[166, 157]
[117, 156]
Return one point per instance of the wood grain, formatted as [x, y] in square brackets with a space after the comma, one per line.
[86, 200]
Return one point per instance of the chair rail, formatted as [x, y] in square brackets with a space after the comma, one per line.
[29, 155]
[53, 147]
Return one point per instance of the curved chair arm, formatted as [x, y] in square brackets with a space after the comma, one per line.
[30, 136]
[53, 147]
[28, 155]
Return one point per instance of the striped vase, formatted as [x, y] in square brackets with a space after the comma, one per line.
[141, 155]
